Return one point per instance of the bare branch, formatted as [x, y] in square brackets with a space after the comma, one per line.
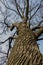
[9, 8]
[18, 9]
[27, 9]
[7, 40]
[39, 32]
[39, 39]
[13, 37]
[38, 26]
[10, 40]
[5, 18]
[35, 12]
[34, 7]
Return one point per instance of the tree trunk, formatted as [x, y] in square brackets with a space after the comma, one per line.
[25, 50]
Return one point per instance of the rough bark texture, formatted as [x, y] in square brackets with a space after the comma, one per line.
[25, 50]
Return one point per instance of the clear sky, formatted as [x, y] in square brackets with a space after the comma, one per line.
[41, 46]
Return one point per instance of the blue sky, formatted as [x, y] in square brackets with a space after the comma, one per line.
[41, 46]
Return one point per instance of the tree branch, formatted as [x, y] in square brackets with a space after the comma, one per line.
[27, 9]
[18, 9]
[37, 27]
[39, 39]
[9, 8]
[39, 32]
[13, 37]
[5, 40]
[8, 39]
[33, 7]
[35, 12]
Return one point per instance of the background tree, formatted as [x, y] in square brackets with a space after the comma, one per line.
[31, 11]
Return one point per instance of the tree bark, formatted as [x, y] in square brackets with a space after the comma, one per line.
[25, 50]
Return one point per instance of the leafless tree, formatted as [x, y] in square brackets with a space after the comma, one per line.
[21, 9]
